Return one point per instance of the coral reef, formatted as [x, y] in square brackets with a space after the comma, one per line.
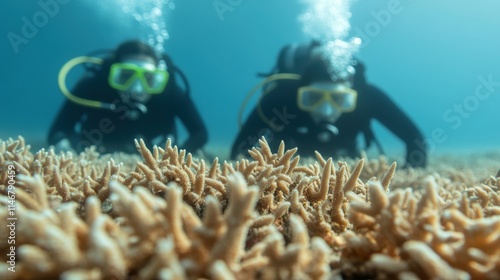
[168, 215]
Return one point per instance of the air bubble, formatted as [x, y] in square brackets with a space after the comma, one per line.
[150, 15]
[328, 22]
[156, 12]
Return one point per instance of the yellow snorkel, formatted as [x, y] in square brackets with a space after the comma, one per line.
[272, 78]
[62, 83]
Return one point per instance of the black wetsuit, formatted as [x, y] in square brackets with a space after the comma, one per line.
[113, 130]
[297, 128]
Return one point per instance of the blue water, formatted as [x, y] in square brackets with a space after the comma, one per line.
[429, 56]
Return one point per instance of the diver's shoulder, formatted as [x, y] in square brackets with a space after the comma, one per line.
[373, 90]
[173, 95]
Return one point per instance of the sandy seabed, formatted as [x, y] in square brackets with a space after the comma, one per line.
[167, 214]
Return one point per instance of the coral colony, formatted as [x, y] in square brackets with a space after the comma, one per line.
[168, 215]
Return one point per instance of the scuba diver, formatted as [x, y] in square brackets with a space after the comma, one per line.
[130, 94]
[306, 107]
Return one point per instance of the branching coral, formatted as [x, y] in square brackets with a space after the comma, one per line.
[169, 215]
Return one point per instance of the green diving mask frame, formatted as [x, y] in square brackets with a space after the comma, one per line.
[123, 76]
[145, 76]
[342, 98]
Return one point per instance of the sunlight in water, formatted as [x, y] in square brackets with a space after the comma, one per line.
[328, 22]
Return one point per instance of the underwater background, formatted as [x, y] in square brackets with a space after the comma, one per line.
[439, 60]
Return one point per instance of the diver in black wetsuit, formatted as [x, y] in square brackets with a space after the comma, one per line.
[132, 94]
[316, 113]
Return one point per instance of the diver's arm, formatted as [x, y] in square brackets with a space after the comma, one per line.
[190, 117]
[398, 122]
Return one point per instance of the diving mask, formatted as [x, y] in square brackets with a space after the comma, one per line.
[123, 76]
[339, 96]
